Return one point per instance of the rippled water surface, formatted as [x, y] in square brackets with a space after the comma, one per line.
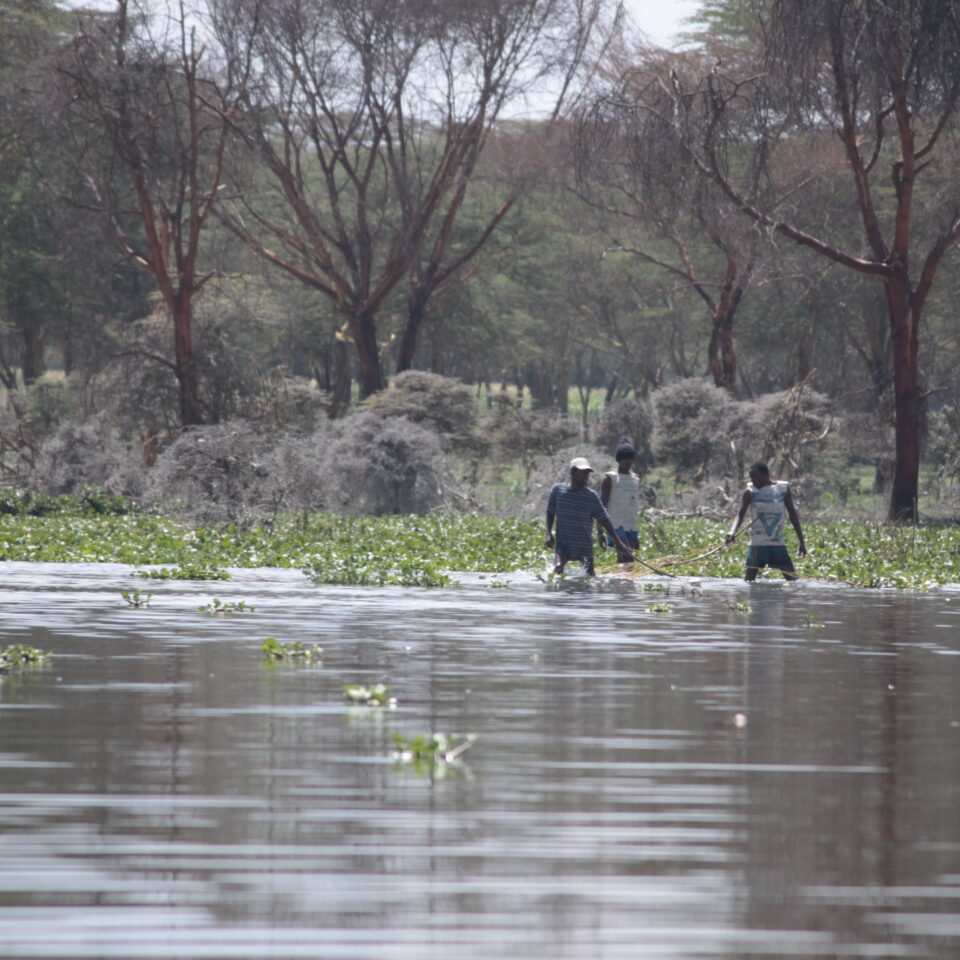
[707, 782]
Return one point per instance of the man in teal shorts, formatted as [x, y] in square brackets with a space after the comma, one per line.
[770, 503]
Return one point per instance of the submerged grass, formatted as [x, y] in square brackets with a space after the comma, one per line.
[861, 554]
[409, 550]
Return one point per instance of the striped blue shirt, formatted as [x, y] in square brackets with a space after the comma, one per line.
[575, 510]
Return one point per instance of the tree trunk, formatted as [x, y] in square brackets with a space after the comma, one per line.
[190, 407]
[33, 366]
[416, 310]
[363, 328]
[340, 387]
[721, 352]
[904, 323]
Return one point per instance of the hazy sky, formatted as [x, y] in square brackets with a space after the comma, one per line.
[661, 19]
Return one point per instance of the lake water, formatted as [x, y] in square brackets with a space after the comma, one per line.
[710, 782]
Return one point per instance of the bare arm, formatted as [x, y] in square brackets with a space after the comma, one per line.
[795, 520]
[605, 487]
[622, 548]
[744, 507]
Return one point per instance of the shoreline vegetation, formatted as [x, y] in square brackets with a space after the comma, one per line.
[430, 550]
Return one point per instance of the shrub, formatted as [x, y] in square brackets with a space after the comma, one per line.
[83, 455]
[381, 465]
[631, 418]
[787, 430]
[691, 425]
[212, 473]
[440, 403]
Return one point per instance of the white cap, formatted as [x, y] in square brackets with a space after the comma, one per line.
[580, 463]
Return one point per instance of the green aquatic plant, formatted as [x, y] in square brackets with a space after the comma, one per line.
[812, 622]
[19, 656]
[443, 747]
[499, 584]
[217, 605]
[296, 651]
[659, 608]
[377, 695]
[186, 572]
[424, 551]
[740, 606]
[136, 598]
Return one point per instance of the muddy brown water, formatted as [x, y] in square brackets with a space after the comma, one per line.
[704, 783]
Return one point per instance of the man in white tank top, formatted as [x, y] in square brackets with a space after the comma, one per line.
[620, 493]
[770, 503]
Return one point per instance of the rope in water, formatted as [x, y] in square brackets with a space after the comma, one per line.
[683, 561]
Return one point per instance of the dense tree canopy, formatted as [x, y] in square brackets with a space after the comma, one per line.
[267, 211]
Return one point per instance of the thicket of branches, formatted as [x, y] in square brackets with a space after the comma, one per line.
[248, 216]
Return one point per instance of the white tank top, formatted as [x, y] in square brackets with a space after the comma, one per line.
[624, 500]
[768, 513]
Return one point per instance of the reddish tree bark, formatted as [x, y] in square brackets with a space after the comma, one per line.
[150, 103]
[894, 85]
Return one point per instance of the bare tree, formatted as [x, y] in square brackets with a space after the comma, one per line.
[635, 166]
[371, 117]
[151, 151]
[883, 79]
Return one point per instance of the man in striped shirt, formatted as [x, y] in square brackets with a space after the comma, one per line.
[575, 506]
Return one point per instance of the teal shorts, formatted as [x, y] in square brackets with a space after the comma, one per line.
[772, 556]
[630, 537]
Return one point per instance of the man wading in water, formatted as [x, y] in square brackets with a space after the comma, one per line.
[620, 494]
[575, 506]
[769, 502]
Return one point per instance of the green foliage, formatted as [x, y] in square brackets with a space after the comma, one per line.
[377, 695]
[691, 418]
[444, 404]
[294, 652]
[426, 550]
[19, 656]
[217, 605]
[17, 502]
[193, 571]
[860, 554]
[136, 598]
[740, 606]
[443, 747]
[812, 622]
[659, 608]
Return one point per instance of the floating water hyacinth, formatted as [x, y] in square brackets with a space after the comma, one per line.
[442, 747]
[186, 572]
[136, 598]
[376, 695]
[19, 656]
[423, 551]
[217, 606]
[295, 651]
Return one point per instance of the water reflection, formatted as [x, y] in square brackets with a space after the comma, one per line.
[165, 793]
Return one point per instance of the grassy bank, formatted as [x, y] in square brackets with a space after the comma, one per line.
[422, 550]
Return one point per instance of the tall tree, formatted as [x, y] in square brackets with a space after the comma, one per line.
[151, 150]
[884, 80]
[29, 291]
[370, 117]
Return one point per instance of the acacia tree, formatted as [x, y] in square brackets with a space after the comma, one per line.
[151, 152]
[884, 80]
[656, 206]
[370, 117]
